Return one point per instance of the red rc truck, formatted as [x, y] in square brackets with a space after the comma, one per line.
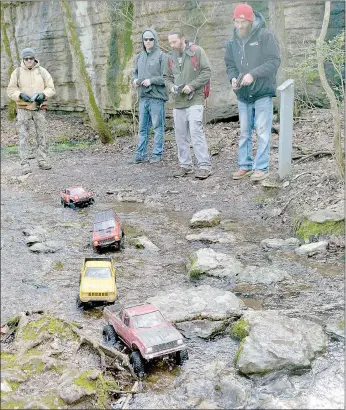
[107, 231]
[145, 332]
[76, 196]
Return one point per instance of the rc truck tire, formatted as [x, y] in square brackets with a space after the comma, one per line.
[137, 363]
[109, 335]
[182, 356]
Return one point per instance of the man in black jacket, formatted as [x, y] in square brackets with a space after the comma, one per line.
[253, 58]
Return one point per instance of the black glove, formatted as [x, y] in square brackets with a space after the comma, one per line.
[40, 98]
[24, 97]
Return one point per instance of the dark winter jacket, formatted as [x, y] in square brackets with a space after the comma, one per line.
[150, 66]
[187, 75]
[258, 55]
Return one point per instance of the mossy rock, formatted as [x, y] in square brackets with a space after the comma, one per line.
[194, 270]
[308, 229]
[240, 329]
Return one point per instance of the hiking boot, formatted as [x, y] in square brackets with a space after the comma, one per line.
[258, 175]
[44, 165]
[203, 173]
[155, 160]
[137, 161]
[26, 169]
[241, 173]
[182, 172]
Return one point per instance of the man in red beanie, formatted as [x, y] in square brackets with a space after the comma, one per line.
[253, 56]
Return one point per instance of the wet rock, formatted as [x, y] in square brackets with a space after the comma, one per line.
[5, 387]
[311, 249]
[205, 329]
[280, 244]
[277, 342]
[334, 213]
[37, 231]
[207, 261]
[94, 374]
[30, 240]
[54, 246]
[23, 178]
[142, 242]
[212, 236]
[40, 248]
[262, 274]
[202, 302]
[130, 197]
[336, 330]
[205, 218]
[69, 391]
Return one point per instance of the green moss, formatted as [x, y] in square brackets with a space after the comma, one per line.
[93, 110]
[47, 324]
[10, 150]
[195, 271]
[84, 382]
[240, 329]
[13, 404]
[217, 387]
[59, 265]
[120, 51]
[35, 365]
[341, 325]
[152, 378]
[307, 228]
[6, 43]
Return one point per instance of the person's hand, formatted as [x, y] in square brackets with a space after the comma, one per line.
[135, 84]
[146, 83]
[247, 79]
[186, 90]
[40, 98]
[24, 97]
[234, 84]
[174, 89]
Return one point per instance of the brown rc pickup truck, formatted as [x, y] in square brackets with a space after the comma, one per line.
[145, 332]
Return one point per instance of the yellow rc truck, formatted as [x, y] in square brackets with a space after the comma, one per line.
[97, 282]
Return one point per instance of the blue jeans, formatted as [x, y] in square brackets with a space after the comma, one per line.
[151, 114]
[258, 115]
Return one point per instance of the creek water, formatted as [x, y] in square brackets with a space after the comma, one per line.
[208, 380]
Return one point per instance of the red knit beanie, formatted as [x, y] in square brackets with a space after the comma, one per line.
[243, 11]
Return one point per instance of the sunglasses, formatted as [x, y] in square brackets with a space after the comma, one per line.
[29, 58]
[148, 39]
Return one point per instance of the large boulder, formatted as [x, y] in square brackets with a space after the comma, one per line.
[207, 261]
[205, 218]
[276, 342]
[202, 302]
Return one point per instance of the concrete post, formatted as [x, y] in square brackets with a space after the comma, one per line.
[286, 127]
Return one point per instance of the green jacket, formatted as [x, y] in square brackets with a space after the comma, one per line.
[187, 75]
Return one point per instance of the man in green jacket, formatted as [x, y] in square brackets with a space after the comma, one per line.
[186, 84]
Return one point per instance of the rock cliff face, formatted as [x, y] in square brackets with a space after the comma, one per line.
[109, 35]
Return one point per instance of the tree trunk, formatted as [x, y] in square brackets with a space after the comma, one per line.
[277, 25]
[82, 78]
[338, 151]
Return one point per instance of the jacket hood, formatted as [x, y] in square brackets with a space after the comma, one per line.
[156, 41]
[258, 23]
[37, 64]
